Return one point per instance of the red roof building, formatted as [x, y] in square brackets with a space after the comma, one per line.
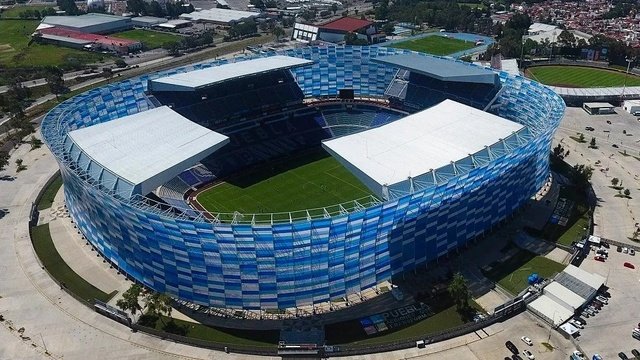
[347, 24]
[118, 45]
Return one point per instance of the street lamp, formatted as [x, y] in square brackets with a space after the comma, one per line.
[624, 87]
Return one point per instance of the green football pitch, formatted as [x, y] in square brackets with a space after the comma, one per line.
[436, 45]
[578, 76]
[308, 181]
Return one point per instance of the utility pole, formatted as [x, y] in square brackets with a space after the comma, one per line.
[626, 75]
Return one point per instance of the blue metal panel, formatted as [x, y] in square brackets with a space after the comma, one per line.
[284, 265]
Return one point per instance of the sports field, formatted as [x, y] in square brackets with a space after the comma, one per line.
[150, 39]
[581, 77]
[436, 45]
[311, 181]
[15, 50]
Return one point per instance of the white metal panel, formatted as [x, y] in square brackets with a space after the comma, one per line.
[199, 78]
[151, 146]
[418, 143]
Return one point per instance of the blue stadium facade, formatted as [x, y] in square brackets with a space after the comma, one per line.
[292, 263]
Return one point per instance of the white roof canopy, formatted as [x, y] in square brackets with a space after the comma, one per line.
[419, 143]
[549, 309]
[192, 80]
[564, 295]
[145, 149]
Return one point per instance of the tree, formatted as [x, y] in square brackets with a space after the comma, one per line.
[68, 6]
[567, 39]
[158, 304]
[351, 38]
[56, 82]
[129, 301]
[278, 32]
[121, 63]
[4, 159]
[558, 151]
[581, 137]
[627, 192]
[35, 142]
[582, 174]
[382, 11]
[388, 28]
[592, 143]
[334, 8]
[614, 181]
[459, 292]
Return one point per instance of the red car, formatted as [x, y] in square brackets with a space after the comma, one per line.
[599, 258]
[629, 265]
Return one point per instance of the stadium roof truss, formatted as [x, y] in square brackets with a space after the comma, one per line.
[137, 153]
[440, 68]
[427, 148]
[202, 78]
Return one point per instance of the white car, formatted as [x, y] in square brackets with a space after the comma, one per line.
[576, 324]
[578, 354]
[526, 340]
[625, 250]
[528, 354]
[602, 299]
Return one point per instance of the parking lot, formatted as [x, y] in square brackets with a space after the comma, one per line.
[615, 217]
[609, 332]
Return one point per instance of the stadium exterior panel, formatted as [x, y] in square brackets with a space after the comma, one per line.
[286, 264]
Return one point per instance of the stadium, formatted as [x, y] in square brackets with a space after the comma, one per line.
[298, 177]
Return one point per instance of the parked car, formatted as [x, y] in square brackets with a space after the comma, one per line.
[615, 145]
[625, 250]
[602, 251]
[619, 249]
[632, 252]
[629, 265]
[622, 356]
[589, 128]
[636, 353]
[576, 324]
[580, 320]
[609, 122]
[528, 354]
[526, 340]
[605, 244]
[578, 354]
[511, 347]
[599, 258]
[602, 299]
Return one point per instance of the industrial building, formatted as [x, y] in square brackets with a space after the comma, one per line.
[219, 16]
[334, 31]
[77, 39]
[147, 21]
[88, 23]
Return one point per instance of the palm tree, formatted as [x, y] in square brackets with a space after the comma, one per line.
[459, 292]
[158, 305]
[129, 301]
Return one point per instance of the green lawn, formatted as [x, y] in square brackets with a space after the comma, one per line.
[16, 10]
[577, 76]
[59, 270]
[436, 45]
[50, 193]
[309, 181]
[513, 273]
[15, 50]
[150, 39]
[445, 317]
[238, 337]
